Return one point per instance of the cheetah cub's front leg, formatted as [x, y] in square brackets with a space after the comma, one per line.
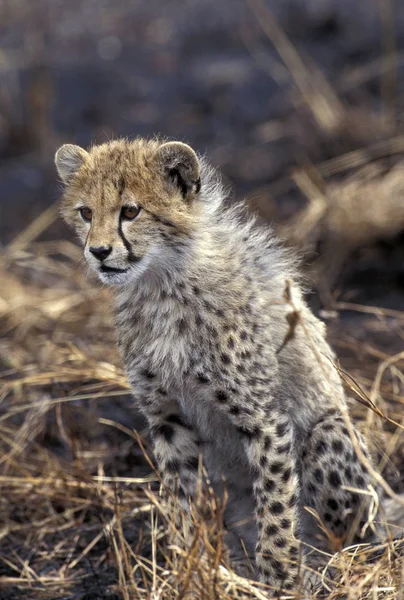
[267, 436]
[175, 444]
[176, 449]
[275, 486]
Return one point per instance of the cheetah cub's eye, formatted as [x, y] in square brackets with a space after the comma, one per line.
[86, 214]
[129, 213]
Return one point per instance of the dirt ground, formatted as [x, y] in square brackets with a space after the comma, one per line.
[300, 104]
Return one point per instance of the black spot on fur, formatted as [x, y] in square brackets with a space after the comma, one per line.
[282, 429]
[230, 343]
[202, 378]
[250, 432]
[318, 475]
[321, 447]
[235, 410]
[267, 443]
[277, 508]
[192, 463]
[225, 358]
[271, 530]
[148, 374]
[285, 523]
[293, 501]
[327, 517]
[285, 449]
[172, 466]
[165, 431]
[333, 504]
[276, 468]
[263, 461]
[337, 446]
[279, 569]
[269, 485]
[245, 310]
[360, 481]
[221, 396]
[176, 419]
[287, 475]
[334, 478]
[280, 542]
[312, 489]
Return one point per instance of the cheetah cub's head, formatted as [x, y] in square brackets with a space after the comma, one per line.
[133, 204]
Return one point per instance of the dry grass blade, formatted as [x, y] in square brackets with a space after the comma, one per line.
[373, 310]
[363, 397]
[319, 96]
[80, 502]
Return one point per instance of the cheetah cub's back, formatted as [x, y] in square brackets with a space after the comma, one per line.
[203, 329]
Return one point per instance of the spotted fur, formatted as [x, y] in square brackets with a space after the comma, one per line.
[204, 330]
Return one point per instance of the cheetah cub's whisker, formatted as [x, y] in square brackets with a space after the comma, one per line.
[202, 322]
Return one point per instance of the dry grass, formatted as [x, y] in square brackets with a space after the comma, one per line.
[82, 515]
[330, 218]
[81, 510]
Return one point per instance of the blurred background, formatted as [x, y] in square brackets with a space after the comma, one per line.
[300, 103]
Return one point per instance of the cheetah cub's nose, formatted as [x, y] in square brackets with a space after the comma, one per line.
[101, 252]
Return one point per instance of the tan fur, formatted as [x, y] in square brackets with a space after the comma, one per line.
[204, 330]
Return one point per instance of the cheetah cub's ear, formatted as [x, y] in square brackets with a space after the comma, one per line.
[180, 166]
[68, 160]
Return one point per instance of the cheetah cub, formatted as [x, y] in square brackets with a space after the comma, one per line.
[203, 329]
